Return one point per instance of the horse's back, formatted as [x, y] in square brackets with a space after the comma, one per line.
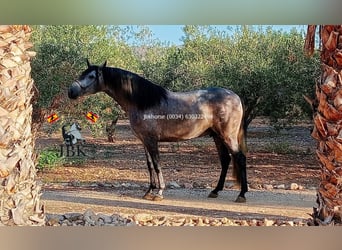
[218, 102]
[212, 95]
[187, 115]
[217, 95]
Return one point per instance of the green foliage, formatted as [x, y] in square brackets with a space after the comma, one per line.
[267, 68]
[61, 54]
[49, 158]
[270, 72]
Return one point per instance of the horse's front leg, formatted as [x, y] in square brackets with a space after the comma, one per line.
[149, 194]
[153, 155]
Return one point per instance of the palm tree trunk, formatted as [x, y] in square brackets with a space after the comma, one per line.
[19, 190]
[328, 124]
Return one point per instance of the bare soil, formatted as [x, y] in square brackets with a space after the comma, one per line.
[113, 177]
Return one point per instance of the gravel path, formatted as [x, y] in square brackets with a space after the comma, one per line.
[262, 207]
[107, 189]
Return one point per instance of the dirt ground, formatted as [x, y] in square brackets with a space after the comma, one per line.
[113, 177]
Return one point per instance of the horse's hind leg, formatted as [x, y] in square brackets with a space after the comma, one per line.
[239, 161]
[225, 160]
[239, 165]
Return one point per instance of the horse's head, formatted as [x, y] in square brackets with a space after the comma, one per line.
[89, 82]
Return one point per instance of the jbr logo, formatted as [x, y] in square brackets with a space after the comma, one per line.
[74, 144]
[71, 150]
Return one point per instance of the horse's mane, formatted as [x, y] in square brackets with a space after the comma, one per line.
[138, 90]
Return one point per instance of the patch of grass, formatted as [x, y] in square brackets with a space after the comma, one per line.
[49, 158]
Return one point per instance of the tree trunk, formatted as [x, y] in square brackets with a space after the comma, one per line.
[328, 124]
[19, 190]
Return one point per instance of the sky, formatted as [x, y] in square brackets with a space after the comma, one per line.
[168, 33]
[174, 33]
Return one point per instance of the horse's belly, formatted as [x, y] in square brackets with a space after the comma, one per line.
[184, 131]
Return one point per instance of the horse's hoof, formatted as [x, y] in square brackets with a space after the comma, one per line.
[240, 199]
[149, 196]
[213, 195]
[158, 197]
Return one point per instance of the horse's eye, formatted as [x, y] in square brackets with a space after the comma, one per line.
[91, 76]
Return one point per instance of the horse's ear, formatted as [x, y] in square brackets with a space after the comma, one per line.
[104, 64]
[88, 63]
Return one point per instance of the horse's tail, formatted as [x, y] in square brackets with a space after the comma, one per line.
[242, 135]
[237, 157]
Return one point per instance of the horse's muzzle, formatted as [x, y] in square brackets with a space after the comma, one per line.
[74, 91]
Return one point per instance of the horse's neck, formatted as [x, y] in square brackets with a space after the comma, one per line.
[129, 89]
[110, 79]
[120, 99]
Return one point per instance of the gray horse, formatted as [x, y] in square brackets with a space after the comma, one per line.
[159, 115]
